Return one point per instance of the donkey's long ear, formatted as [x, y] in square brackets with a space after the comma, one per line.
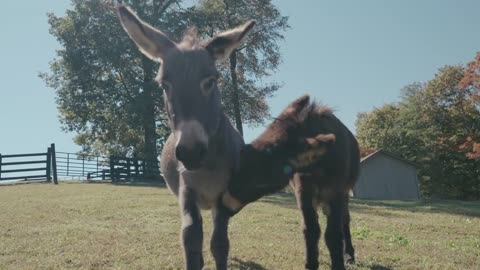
[321, 139]
[314, 149]
[151, 42]
[222, 45]
[298, 110]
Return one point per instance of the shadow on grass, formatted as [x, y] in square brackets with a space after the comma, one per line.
[159, 183]
[24, 182]
[281, 199]
[462, 208]
[373, 266]
[379, 267]
[238, 264]
[246, 265]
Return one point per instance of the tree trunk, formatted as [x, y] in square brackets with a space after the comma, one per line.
[236, 99]
[148, 116]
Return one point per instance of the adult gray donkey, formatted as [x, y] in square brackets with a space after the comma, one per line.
[203, 148]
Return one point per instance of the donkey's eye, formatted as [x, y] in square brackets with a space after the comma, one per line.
[208, 84]
[166, 86]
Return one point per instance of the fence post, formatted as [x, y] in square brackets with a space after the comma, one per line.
[49, 164]
[136, 169]
[112, 169]
[128, 168]
[83, 165]
[0, 166]
[68, 162]
[144, 175]
[54, 163]
[103, 174]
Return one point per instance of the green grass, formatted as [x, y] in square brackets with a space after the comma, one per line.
[103, 226]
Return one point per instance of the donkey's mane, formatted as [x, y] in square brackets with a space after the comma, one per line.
[191, 38]
[301, 110]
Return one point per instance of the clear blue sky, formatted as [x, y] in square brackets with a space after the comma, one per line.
[353, 55]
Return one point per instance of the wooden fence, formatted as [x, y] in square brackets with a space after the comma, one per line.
[71, 166]
[32, 166]
[126, 169]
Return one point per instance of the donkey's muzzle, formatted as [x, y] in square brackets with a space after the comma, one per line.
[229, 204]
[191, 157]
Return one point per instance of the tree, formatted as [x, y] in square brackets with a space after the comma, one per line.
[105, 88]
[471, 83]
[244, 91]
[430, 127]
[377, 129]
[444, 119]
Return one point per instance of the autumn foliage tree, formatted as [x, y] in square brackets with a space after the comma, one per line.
[435, 126]
[471, 84]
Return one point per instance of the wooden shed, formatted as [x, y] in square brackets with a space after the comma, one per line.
[384, 176]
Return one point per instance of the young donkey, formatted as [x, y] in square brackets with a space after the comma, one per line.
[203, 148]
[308, 146]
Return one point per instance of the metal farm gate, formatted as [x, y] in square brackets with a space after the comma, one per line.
[29, 167]
[70, 166]
[94, 168]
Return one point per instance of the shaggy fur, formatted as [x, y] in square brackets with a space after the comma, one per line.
[309, 147]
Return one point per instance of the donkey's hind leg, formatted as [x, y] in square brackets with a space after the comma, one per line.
[192, 231]
[219, 244]
[305, 194]
[334, 231]
[349, 250]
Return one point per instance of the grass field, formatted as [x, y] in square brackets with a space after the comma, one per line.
[103, 226]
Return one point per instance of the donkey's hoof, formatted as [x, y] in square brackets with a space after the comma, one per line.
[349, 258]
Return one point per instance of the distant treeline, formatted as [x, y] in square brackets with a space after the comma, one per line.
[436, 125]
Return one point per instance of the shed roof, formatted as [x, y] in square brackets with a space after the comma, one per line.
[388, 154]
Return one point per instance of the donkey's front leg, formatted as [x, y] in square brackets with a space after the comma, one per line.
[219, 244]
[192, 231]
[304, 193]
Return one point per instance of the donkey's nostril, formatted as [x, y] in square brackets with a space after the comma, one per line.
[200, 151]
[181, 153]
[191, 157]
